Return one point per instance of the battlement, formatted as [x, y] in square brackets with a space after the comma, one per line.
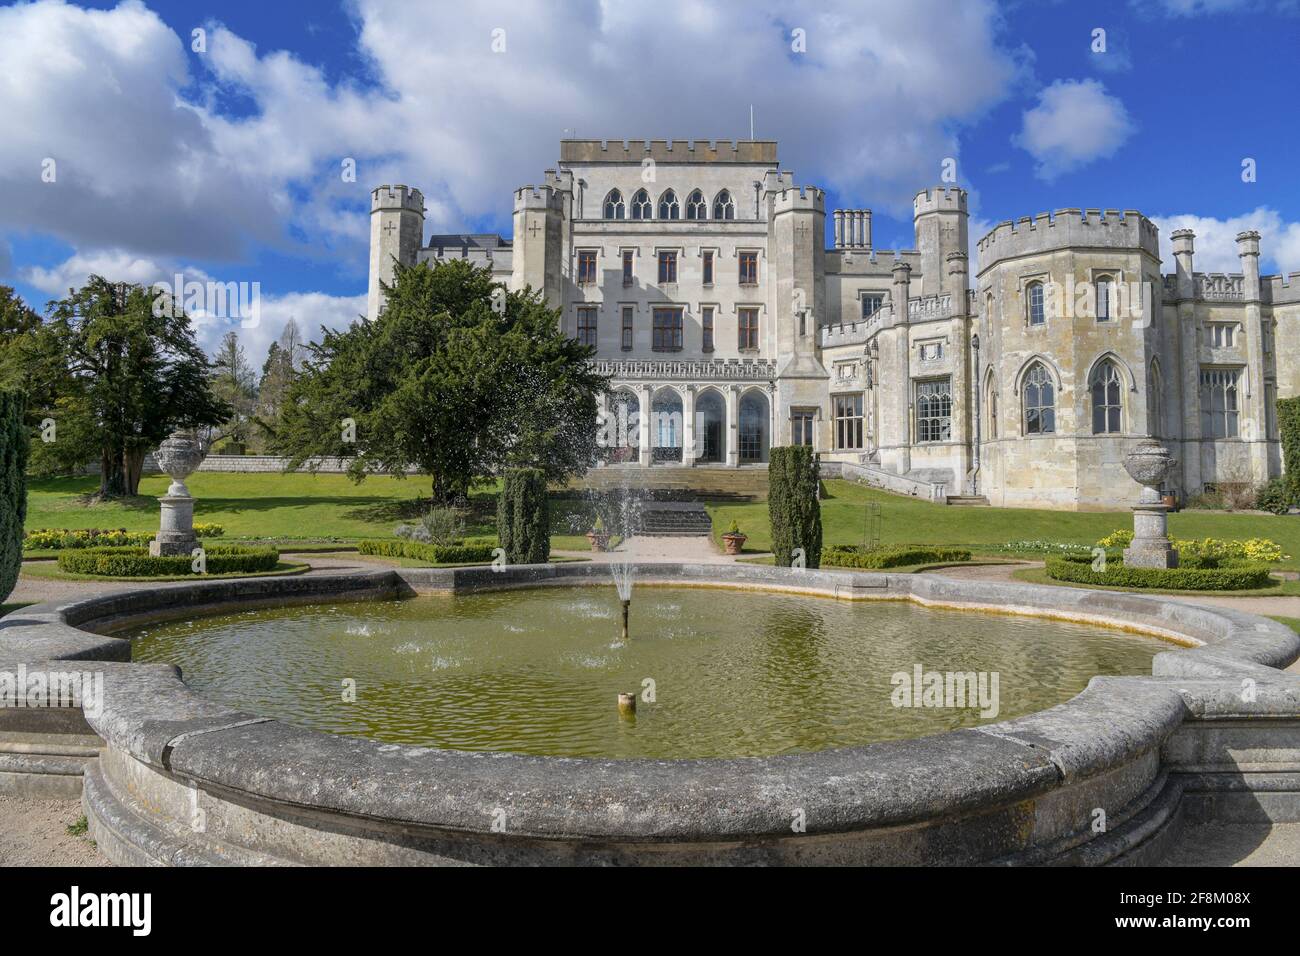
[539, 197]
[1280, 290]
[939, 199]
[1069, 227]
[799, 198]
[743, 152]
[396, 197]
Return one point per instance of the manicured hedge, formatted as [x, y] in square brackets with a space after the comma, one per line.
[1288, 425]
[794, 513]
[848, 556]
[464, 553]
[139, 563]
[1229, 576]
[523, 517]
[13, 487]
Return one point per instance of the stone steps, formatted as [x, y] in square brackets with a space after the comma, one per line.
[45, 765]
[968, 500]
[681, 520]
[668, 483]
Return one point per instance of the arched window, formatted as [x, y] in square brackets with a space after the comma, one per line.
[1034, 303]
[641, 208]
[1106, 390]
[696, 207]
[614, 205]
[1155, 402]
[1105, 288]
[1040, 401]
[668, 207]
[991, 406]
[723, 206]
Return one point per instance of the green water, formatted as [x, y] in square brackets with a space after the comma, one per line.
[735, 673]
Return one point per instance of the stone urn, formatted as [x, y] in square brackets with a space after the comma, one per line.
[1148, 464]
[179, 456]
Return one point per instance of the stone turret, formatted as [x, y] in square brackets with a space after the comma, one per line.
[1184, 243]
[396, 234]
[798, 254]
[940, 217]
[538, 260]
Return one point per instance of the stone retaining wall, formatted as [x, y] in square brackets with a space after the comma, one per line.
[1214, 734]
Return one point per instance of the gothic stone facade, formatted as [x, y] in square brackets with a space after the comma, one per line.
[700, 274]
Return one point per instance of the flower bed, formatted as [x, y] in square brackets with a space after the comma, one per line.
[136, 562]
[849, 556]
[1224, 574]
[62, 539]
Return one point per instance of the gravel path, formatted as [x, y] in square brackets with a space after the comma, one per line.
[35, 833]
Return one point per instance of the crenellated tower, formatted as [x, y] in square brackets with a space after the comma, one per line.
[396, 234]
[940, 217]
[541, 221]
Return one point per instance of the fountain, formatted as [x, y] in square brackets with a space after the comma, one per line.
[1148, 464]
[178, 456]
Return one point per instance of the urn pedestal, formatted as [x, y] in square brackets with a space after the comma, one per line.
[1148, 464]
[178, 456]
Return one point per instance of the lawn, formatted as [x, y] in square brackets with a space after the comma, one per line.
[985, 530]
[284, 508]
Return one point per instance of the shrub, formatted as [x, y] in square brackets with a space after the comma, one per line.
[1288, 425]
[523, 517]
[209, 530]
[847, 556]
[13, 487]
[135, 562]
[438, 526]
[1232, 576]
[462, 553]
[1121, 538]
[1274, 496]
[794, 475]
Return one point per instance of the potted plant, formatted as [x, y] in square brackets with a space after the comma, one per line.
[598, 537]
[734, 539]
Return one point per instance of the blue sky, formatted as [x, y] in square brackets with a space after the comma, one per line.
[225, 162]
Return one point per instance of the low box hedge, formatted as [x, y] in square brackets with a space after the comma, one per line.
[464, 553]
[136, 562]
[1227, 576]
[849, 556]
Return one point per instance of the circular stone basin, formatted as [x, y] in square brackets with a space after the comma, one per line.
[731, 673]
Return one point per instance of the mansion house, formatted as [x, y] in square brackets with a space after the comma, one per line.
[701, 275]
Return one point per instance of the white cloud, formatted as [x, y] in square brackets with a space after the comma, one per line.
[1074, 123]
[1216, 247]
[310, 310]
[151, 161]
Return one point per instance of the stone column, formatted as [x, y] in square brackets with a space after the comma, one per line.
[1256, 430]
[1148, 464]
[733, 426]
[1189, 363]
[688, 427]
[643, 426]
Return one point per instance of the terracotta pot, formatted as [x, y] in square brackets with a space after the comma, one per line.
[599, 540]
[734, 541]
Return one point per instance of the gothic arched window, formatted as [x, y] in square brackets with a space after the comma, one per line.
[668, 208]
[1035, 307]
[1155, 401]
[1040, 401]
[696, 207]
[1106, 391]
[1105, 288]
[614, 205]
[641, 208]
[723, 206]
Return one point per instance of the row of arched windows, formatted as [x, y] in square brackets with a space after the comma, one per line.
[1039, 395]
[1105, 304]
[668, 207]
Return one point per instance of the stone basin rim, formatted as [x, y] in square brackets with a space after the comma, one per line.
[161, 722]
